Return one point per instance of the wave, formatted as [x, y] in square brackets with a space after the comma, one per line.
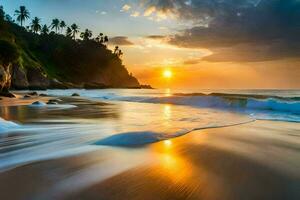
[280, 108]
[226, 101]
[6, 126]
[141, 138]
[269, 105]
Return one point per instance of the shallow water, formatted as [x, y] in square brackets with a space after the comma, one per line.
[88, 124]
[60, 150]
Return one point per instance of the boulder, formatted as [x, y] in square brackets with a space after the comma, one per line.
[56, 84]
[37, 79]
[53, 101]
[33, 94]
[19, 78]
[7, 94]
[5, 78]
[93, 85]
[75, 95]
[38, 103]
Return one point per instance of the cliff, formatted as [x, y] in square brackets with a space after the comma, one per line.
[41, 61]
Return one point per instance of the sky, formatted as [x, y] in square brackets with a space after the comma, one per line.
[207, 44]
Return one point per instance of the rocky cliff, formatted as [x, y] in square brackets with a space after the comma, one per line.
[42, 61]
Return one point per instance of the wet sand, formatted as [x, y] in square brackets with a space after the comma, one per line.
[258, 160]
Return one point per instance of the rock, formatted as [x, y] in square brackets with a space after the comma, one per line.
[5, 78]
[38, 103]
[37, 79]
[43, 95]
[94, 86]
[19, 78]
[56, 84]
[7, 94]
[75, 95]
[53, 101]
[33, 93]
[26, 96]
[146, 87]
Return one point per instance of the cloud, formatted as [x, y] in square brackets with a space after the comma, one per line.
[156, 37]
[126, 8]
[149, 11]
[121, 41]
[237, 30]
[135, 14]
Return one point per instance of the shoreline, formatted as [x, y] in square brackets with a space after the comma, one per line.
[239, 161]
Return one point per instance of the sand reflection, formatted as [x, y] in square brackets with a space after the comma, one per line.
[171, 164]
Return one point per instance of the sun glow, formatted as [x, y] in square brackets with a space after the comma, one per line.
[167, 73]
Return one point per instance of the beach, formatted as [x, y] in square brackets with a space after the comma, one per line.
[247, 159]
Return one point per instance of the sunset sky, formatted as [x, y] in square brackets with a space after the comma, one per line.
[205, 43]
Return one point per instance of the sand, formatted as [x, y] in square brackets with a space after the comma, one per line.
[258, 160]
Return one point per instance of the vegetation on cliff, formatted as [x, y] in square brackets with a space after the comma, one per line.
[34, 57]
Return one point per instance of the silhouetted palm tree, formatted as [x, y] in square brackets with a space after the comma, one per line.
[69, 32]
[55, 24]
[35, 25]
[62, 25]
[2, 13]
[75, 30]
[116, 49]
[45, 30]
[86, 35]
[120, 53]
[101, 38]
[105, 39]
[22, 14]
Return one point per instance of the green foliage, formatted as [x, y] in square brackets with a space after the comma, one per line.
[61, 57]
[8, 52]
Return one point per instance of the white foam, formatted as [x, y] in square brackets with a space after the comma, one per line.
[6, 126]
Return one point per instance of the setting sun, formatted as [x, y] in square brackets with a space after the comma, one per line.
[167, 74]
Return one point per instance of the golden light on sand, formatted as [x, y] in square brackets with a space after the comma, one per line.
[167, 73]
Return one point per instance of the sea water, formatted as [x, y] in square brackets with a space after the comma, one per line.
[129, 119]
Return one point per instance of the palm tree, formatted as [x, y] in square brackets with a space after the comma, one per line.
[86, 35]
[62, 25]
[45, 30]
[2, 13]
[55, 24]
[101, 38]
[69, 32]
[35, 25]
[22, 14]
[120, 53]
[116, 49]
[105, 39]
[75, 30]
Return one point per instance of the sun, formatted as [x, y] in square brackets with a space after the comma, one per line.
[167, 73]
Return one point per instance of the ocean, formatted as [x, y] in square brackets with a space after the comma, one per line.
[85, 140]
